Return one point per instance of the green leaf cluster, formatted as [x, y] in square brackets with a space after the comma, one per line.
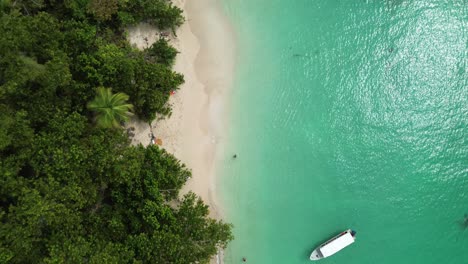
[111, 109]
[162, 52]
[72, 191]
[158, 12]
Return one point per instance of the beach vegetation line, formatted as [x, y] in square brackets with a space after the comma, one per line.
[72, 187]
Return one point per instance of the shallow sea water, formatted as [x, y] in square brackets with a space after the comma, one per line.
[348, 114]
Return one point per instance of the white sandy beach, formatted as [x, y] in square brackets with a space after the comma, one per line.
[195, 131]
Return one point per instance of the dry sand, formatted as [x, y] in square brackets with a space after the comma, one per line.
[195, 131]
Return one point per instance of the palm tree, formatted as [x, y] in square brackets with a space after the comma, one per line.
[111, 109]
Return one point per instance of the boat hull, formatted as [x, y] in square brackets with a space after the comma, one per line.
[316, 255]
[333, 245]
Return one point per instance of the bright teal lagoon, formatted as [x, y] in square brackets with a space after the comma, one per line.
[348, 114]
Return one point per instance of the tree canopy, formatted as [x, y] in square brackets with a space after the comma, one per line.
[111, 109]
[71, 191]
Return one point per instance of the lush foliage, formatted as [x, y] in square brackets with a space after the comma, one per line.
[71, 191]
[158, 12]
[162, 52]
[111, 109]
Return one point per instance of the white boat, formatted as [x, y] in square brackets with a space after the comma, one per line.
[334, 245]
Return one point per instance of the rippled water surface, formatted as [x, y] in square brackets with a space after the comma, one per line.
[349, 114]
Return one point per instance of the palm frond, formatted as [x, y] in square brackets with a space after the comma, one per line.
[110, 109]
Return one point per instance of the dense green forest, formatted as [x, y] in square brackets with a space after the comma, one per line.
[72, 188]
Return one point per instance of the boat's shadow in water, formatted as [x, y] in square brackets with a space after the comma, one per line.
[463, 223]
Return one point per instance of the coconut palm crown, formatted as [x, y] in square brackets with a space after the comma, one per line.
[111, 109]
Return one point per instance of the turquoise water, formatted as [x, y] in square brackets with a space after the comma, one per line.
[348, 114]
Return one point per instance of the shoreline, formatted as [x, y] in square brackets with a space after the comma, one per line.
[196, 130]
[214, 69]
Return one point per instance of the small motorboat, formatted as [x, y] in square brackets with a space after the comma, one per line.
[334, 245]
